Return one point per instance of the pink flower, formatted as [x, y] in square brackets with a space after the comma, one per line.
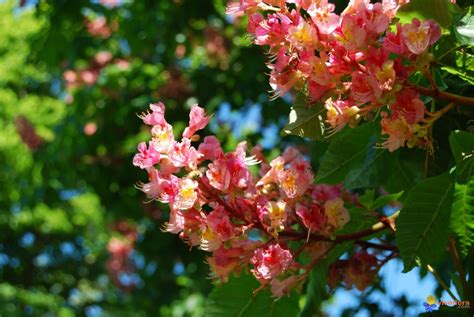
[273, 30]
[340, 112]
[315, 67]
[409, 106]
[219, 175]
[89, 76]
[186, 195]
[167, 167]
[182, 154]
[272, 175]
[230, 172]
[273, 215]
[226, 261]
[290, 154]
[156, 116]
[337, 214]
[270, 261]
[187, 224]
[163, 137]
[162, 189]
[373, 16]
[296, 179]
[103, 57]
[418, 35]
[323, 193]
[280, 288]
[219, 229]
[352, 33]
[197, 121]
[398, 132]
[219, 222]
[98, 27]
[254, 21]
[393, 42]
[302, 36]
[364, 87]
[146, 158]
[312, 216]
[385, 76]
[237, 8]
[210, 148]
[323, 17]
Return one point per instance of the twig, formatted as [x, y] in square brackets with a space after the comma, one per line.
[459, 268]
[461, 100]
[368, 244]
[441, 282]
[379, 226]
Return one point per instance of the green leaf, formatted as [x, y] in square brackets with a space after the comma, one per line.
[385, 200]
[305, 120]
[464, 28]
[464, 66]
[367, 199]
[439, 10]
[235, 299]
[350, 158]
[401, 170]
[422, 230]
[462, 215]
[464, 75]
[462, 146]
[316, 289]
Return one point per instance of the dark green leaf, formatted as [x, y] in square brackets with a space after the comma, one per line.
[462, 215]
[367, 199]
[235, 299]
[462, 146]
[317, 289]
[384, 200]
[401, 170]
[422, 230]
[350, 157]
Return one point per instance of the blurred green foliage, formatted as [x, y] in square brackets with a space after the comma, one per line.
[69, 131]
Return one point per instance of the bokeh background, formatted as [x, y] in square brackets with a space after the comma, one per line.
[76, 236]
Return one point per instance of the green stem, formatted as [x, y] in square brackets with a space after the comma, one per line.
[441, 282]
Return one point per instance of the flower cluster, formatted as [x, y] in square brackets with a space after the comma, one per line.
[359, 271]
[119, 265]
[244, 218]
[355, 64]
[88, 76]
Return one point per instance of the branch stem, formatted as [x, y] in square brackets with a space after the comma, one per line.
[457, 262]
[379, 226]
[441, 282]
[442, 95]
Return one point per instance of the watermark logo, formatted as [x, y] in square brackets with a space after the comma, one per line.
[430, 303]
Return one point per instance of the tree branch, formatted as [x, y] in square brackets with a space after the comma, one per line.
[368, 244]
[460, 100]
[379, 226]
[460, 269]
